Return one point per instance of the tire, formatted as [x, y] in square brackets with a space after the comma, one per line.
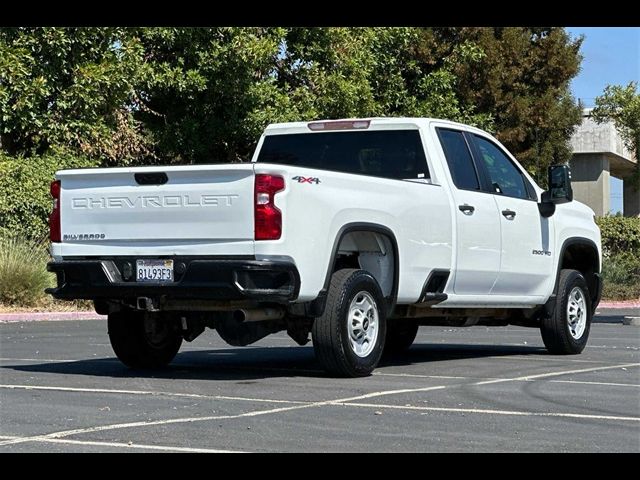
[400, 336]
[143, 340]
[566, 331]
[338, 334]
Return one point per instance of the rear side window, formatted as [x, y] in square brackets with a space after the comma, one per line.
[394, 154]
[459, 159]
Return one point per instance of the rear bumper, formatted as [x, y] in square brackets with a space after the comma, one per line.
[195, 278]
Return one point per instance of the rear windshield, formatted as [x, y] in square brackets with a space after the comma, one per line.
[390, 153]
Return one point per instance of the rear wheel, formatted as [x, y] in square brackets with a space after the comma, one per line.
[348, 338]
[400, 336]
[566, 331]
[143, 339]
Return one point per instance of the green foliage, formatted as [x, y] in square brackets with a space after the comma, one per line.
[23, 271]
[25, 201]
[411, 78]
[224, 85]
[208, 92]
[70, 88]
[620, 235]
[621, 262]
[622, 106]
[149, 95]
[621, 276]
[522, 81]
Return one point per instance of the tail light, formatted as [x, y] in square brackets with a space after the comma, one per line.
[54, 218]
[267, 217]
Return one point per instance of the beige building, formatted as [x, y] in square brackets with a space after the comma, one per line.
[598, 154]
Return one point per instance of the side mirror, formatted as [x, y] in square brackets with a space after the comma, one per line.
[560, 190]
[560, 184]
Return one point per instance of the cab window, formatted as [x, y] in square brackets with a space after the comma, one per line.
[505, 177]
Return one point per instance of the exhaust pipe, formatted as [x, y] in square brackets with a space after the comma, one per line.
[258, 314]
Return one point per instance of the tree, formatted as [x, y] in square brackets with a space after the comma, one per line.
[200, 87]
[414, 76]
[622, 106]
[522, 81]
[140, 95]
[69, 88]
[210, 92]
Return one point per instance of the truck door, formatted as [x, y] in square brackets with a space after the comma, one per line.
[477, 240]
[527, 257]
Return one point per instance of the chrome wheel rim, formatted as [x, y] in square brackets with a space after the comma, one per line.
[576, 313]
[363, 324]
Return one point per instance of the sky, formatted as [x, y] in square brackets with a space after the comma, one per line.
[611, 57]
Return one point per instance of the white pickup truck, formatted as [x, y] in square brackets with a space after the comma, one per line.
[353, 231]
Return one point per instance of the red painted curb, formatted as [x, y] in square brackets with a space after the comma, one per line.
[49, 316]
[621, 304]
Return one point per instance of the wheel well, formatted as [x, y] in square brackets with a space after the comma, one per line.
[366, 246]
[583, 258]
[370, 251]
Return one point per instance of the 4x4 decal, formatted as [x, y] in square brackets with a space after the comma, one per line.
[300, 179]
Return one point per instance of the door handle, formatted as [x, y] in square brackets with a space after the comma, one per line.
[466, 209]
[509, 214]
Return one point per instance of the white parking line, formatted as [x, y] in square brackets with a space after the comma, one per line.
[555, 374]
[596, 383]
[52, 360]
[269, 400]
[164, 448]
[101, 428]
[417, 375]
[621, 347]
[353, 400]
[175, 365]
[147, 392]
[545, 359]
[492, 412]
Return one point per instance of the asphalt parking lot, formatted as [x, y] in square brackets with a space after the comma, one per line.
[474, 389]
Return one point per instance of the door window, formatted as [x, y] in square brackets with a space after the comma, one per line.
[505, 178]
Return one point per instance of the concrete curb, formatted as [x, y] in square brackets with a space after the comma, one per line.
[49, 316]
[634, 321]
[621, 304]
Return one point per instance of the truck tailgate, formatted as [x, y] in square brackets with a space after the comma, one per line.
[162, 207]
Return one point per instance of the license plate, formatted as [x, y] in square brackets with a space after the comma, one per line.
[154, 270]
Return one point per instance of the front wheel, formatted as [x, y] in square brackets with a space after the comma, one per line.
[566, 331]
[348, 339]
[142, 339]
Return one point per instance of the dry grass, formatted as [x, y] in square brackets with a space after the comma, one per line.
[24, 276]
[47, 304]
[23, 272]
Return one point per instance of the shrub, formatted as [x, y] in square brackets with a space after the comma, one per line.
[621, 276]
[620, 234]
[621, 262]
[25, 202]
[23, 271]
